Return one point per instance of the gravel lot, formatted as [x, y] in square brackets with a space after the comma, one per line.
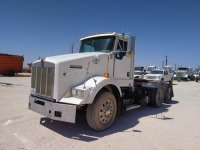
[174, 126]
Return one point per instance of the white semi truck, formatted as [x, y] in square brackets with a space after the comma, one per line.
[98, 80]
[185, 73]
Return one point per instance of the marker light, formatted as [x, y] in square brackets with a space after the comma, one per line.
[106, 74]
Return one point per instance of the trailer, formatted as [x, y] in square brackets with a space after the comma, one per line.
[98, 80]
[10, 64]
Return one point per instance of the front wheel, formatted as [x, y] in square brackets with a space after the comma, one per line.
[197, 79]
[102, 112]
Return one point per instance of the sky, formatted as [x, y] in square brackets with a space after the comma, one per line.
[41, 28]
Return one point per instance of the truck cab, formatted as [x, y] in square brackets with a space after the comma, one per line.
[185, 73]
[169, 69]
[99, 80]
[151, 68]
[138, 68]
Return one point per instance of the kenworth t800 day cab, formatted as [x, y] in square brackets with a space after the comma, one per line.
[98, 80]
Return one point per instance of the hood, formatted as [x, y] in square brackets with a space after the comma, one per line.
[72, 57]
[156, 75]
[181, 71]
[74, 69]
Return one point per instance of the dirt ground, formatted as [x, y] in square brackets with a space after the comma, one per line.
[174, 126]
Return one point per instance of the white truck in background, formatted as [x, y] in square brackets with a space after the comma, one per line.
[197, 78]
[151, 68]
[168, 69]
[139, 72]
[139, 68]
[159, 75]
[98, 80]
[185, 73]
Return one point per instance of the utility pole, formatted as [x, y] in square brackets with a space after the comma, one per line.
[163, 64]
[175, 66]
[166, 61]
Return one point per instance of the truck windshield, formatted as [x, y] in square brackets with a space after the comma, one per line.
[138, 73]
[182, 68]
[139, 68]
[156, 72]
[97, 44]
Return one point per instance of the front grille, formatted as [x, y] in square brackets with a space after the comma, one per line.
[43, 81]
[179, 74]
[151, 77]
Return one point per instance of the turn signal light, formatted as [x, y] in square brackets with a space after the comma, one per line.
[106, 74]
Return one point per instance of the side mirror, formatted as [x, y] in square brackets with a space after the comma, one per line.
[131, 45]
[75, 46]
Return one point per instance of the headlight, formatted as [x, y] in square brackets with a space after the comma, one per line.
[73, 92]
[77, 93]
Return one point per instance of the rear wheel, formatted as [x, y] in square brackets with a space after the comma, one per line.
[168, 96]
[102, 112]
[158, 98]
[11, 73]
[171, 81]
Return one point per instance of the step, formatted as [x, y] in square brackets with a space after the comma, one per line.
[132, 106]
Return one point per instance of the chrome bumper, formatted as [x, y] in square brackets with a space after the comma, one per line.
[54, 111]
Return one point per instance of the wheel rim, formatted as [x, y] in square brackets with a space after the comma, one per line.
[106, 111]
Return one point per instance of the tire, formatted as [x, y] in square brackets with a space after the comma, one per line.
[11, 73]
[193, 78]
[168, 96]
[171, 81]
[158, 98]
[197, 79]
[102, 112]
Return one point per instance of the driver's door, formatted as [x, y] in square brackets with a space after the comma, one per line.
[123, 63]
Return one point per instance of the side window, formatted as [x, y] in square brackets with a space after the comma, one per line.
[122, 46]
[121, 49]
[166, 73]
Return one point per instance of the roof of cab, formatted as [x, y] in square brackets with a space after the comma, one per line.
[103, 34]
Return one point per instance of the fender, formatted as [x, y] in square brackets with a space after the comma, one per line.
[96, 84]
[92, 86]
